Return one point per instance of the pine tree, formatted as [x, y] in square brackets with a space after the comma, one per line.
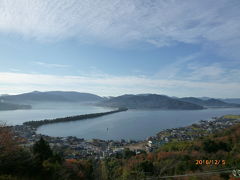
[42, 150]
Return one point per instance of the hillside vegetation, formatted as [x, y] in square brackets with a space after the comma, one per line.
[51, 96]
[219, 154]
[149, 101]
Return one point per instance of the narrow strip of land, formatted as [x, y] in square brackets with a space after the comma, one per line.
[36, 124]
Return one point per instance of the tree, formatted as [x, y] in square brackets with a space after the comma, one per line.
[146, 167]
[42, 150]
[14, 160]
[47, 163]
[7, 142]
[210, 146]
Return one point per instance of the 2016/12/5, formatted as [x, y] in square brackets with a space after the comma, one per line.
[210, 162]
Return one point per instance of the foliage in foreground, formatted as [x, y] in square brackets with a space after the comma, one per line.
[171, 159]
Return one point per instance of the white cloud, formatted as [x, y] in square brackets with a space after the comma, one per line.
[14, 70]
[159, 22]
[195, 68]
[49, 65]
[114, 85]
[172, 71]
[207, 72]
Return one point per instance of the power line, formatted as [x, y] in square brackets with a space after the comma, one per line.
[226, 170]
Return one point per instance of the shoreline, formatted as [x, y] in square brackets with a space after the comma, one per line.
[73, 147]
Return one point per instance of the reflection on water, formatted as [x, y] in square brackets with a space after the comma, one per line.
[132, 124]
[48, 111]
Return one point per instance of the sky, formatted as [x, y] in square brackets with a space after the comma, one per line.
[109, 48]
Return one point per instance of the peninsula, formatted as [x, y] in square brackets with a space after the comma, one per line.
[36, 124]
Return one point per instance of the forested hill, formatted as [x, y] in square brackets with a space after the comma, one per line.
[149, 101]
[140, 101]
[52, 96]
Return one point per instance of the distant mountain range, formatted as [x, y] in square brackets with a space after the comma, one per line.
[227, 100]
[52, 96]
[140, 101]
[148, 101]
[10, 106]
[208, 102]
[231, 100]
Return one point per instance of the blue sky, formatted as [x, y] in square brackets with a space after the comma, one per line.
[110, 48]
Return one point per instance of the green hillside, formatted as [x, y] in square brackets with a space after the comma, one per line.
[212, 157]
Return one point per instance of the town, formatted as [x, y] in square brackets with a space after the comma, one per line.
[78, 148]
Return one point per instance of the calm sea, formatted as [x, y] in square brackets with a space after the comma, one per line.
[131, 124]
